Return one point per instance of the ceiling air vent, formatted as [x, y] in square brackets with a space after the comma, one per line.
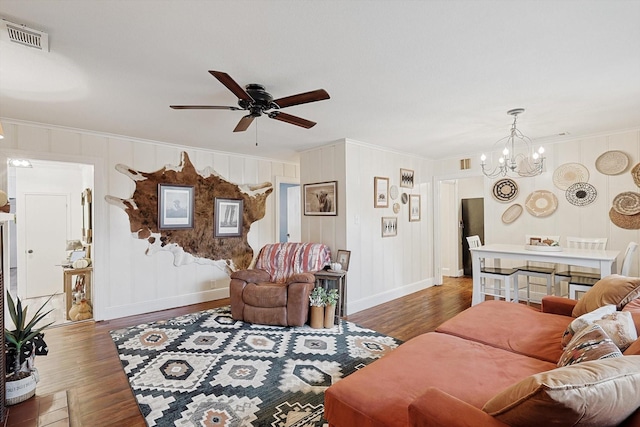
[27, 36]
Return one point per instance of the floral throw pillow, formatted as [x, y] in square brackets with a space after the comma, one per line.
[591, 343]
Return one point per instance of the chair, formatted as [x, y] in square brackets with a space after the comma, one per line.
[497, 274]
[580, 243]
[583, 284]
[276, 291]
[540, 270]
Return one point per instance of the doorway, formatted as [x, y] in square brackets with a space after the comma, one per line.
[49, 215]
[288, 209]
[448, 227]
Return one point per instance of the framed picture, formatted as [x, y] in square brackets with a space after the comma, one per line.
[380, 192]
[175, 206]
[227, 215]
[406, 178]
[414, 207]
[389, 226]
[321, 198]
[343, 258]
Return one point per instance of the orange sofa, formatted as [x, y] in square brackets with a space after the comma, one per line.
[445, 378]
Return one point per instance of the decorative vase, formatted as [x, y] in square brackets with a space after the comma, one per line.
[20, 390]
[317, 316]
[329, 315]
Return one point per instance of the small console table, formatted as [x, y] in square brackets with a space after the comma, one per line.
[68, 274]
[329, 279]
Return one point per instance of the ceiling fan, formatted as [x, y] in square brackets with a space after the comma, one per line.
[255, 99]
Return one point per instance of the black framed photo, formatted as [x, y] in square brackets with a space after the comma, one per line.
[175, 206]
[227, 215]
[321, 198]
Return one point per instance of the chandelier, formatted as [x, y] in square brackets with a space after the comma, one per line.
[515, 161]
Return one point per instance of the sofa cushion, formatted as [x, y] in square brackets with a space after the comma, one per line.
[591, 343]
[614, 289]
[513, 327]
[380, 393]
[596, 393]
[633, 349]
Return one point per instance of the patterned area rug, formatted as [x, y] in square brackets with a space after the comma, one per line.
[206, 369]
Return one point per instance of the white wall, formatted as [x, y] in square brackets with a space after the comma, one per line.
[380, 268]
[126, 281]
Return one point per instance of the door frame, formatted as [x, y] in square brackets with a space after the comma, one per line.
[282, 180]
[100, 246]
[437, 220]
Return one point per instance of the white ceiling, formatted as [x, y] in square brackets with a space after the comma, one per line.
[434, 78]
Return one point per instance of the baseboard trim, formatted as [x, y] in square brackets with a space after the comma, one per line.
[163, 304]
[381, 298]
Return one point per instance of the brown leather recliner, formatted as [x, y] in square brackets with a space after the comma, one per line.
[276, 291]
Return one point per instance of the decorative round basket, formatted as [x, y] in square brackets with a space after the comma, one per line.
[505, 190]
[581, 194]
[568, 174]
[628, 222]
[635, 173]
[612, 162]
[541, 203]
[627, 203]
[512, 213]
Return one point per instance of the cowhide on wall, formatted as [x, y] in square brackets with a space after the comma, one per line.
[197, 244]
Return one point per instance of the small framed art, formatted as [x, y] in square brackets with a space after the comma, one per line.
[343, 258]
[380, 192]
[321, 198]
[389, 226]
[175, 206]
[227, 215]
[406, 178]
[414, 207]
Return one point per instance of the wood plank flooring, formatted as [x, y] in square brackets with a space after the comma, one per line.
[83, 360]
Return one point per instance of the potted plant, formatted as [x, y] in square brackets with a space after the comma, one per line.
[330, 299]
[21, 346]
[316, 299]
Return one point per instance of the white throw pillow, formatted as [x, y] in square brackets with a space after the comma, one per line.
[620, 328]
[585, 320]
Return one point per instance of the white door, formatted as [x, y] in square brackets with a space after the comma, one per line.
[45, 224]
[293, 214]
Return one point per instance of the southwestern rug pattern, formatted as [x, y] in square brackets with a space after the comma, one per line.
[206, 369]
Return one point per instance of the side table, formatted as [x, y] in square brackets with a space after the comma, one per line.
[68, 274]
[329, 279]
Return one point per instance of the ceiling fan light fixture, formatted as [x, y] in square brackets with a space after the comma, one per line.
[518, 159]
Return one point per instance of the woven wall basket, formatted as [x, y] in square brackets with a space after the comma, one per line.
[628, 222]
[627, 203]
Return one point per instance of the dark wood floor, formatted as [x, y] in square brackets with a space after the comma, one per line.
[83, 360]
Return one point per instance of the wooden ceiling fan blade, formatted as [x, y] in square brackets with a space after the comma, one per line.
[302, 98]
[231, 84]
[203, 107]
[244, 123]
[294, 120]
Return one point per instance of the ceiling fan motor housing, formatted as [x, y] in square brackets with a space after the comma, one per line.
[262, 100]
